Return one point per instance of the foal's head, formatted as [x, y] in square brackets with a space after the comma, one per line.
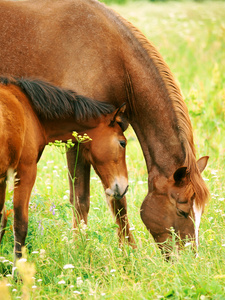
[172, 204]
[106, 153]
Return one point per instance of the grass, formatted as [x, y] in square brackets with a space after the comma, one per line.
[190, 36]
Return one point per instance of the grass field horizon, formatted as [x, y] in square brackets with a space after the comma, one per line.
[191, 38]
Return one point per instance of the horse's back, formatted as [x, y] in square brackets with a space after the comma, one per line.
[22, 136]
[70, 43]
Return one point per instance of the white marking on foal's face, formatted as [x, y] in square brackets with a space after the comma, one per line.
[198, 214]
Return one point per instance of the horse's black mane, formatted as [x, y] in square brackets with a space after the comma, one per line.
[52, 102]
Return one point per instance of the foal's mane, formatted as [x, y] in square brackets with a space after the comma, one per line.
[52, 102]
[180, 109]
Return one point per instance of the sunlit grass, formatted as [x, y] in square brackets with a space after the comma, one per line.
[190, 36]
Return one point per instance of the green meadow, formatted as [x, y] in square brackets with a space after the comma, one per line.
[191, 38]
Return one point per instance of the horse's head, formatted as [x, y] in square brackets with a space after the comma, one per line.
[171, 204]
[106, 153]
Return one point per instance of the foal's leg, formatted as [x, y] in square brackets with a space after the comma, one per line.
[3, 218]
[119, 211]
[81, 199]
[80, 192]
[26, 175]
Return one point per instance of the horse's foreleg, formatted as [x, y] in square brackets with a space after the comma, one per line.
[26, 175]
[119, 211]
[3, 217]
[79, 186]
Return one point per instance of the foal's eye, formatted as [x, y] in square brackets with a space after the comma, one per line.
[123, 143]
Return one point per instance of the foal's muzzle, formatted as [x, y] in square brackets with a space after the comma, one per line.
[116, 192]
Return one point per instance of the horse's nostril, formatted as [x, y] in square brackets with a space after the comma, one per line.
[117, 194]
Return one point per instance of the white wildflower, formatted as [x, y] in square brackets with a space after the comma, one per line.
[22, 259]
[68, 266]
[42, 253]
[79, 281]
[83, 226]
[213, 172]
[207, 179]
[50, 161]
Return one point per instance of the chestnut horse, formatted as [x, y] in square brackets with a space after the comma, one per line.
[34, 113]
[84, 45]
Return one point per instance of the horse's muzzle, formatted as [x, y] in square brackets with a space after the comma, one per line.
[116, 193]
[119, 196]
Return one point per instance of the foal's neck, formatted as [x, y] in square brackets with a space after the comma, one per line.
[62, 129]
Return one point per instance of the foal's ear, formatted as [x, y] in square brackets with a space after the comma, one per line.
[118, 117]
[202, 163]
[180, 174]
[118, 113]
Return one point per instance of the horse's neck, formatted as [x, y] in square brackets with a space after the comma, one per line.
[160, 142]
[154, 119]
[156, 108]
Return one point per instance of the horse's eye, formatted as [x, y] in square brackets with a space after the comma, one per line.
[182, 213]
[123, 143]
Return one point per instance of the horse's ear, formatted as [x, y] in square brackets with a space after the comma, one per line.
[202, 163]
[118, 112]
[117, 117]
[180, 174]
